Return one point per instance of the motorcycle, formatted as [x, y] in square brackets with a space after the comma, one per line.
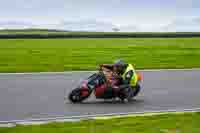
[98, 84]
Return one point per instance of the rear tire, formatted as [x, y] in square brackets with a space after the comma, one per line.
[75, 96]
[122, 95]
[126, 94]
[137, 90]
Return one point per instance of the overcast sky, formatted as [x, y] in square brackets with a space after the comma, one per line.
[143, 13]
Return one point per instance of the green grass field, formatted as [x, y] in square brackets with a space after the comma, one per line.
[37, 55]
[167, 123]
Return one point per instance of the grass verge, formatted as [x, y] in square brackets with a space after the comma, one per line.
[43, 55]
[166, 123]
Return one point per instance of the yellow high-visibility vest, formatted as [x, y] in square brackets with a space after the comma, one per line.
[134, 78]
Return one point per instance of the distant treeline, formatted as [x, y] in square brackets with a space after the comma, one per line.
[98, 35]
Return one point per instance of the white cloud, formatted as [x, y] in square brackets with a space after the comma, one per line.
[87, 25]
[142, 15]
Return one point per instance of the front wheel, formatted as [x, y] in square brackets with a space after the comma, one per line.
[76, 96]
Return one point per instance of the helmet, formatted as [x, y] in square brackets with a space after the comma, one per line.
[120, 65]
[120, 62]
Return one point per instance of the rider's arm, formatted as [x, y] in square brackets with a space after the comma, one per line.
[128, 77]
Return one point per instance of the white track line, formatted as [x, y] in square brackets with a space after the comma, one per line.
[81, 117]
[70, 72]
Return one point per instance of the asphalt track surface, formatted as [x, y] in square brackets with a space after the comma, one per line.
[25, 96]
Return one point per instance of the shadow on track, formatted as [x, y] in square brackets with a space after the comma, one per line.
[108, 102]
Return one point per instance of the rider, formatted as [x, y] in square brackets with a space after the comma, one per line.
[125, 73]
[129, 78]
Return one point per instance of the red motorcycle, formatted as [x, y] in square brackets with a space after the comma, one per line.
[99, 84]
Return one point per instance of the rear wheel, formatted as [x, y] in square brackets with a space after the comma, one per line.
[126, 93]
[76, 96]
[122, 95]
[137, 90]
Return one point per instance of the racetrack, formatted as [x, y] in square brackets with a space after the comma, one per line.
[24, 96]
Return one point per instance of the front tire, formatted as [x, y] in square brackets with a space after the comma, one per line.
[75, 96]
